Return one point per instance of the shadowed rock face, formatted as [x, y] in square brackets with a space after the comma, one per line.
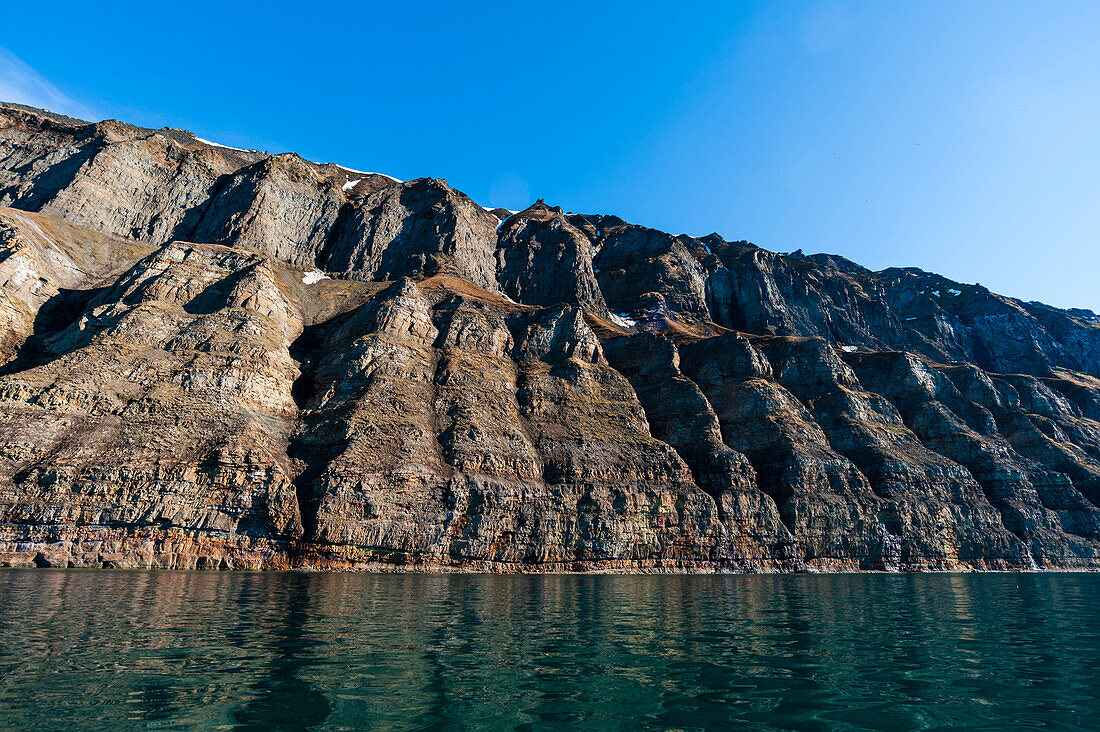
[543, 260]
[281, 205]
[422, 227]
[651, 274]
[223, 358]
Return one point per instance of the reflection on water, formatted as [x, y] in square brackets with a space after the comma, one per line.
[112, 649]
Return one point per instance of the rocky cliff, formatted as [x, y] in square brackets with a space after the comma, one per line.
[223, 358]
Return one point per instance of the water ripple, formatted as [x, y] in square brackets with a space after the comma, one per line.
[194, 650]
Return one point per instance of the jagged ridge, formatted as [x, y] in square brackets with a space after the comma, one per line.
[344, 370]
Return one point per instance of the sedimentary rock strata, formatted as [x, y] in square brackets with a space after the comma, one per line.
[225, 358]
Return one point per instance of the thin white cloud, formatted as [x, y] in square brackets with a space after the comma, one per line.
[22, 84]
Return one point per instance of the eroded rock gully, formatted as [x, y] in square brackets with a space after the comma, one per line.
[224, 358]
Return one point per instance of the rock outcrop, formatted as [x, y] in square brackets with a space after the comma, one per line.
[420, 228]
[223, 358]
[543, 260]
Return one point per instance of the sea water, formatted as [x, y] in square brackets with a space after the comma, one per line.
[116, 649]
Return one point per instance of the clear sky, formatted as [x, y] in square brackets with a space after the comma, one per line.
[960, 137]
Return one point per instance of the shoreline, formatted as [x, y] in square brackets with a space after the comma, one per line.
[177, 559]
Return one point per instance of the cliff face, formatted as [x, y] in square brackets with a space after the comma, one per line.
[223, 358]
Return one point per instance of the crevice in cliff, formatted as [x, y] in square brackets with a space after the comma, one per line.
[438, 363]
[192, 218]
[1028, 521]
[1026, 436]
[53, 317]
[313, 456]
[53, 179]
[336, 232]
[706, 475]
[771, 487]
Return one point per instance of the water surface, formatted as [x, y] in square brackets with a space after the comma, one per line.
[219, 650]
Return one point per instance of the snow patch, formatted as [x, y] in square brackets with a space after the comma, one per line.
[622, 320]
[500, 221]
[352, 183]
[936, 293]
[848, 349]
[953, 291]
[912, 318]
[313, 277]
[218, 144]
[363, 172]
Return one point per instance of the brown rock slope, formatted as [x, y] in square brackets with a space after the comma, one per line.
[224, 358]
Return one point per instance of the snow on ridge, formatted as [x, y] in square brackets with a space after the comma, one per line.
[500, 221]
[622, 319]
[218, 144]
[313, 277]
[363, 172]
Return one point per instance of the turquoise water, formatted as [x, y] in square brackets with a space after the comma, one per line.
[209, 650]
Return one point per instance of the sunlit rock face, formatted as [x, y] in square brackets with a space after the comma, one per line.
[222, 358]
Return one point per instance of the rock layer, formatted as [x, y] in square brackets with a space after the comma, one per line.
[224, 358]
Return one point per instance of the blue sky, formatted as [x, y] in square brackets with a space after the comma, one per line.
[962, 138]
